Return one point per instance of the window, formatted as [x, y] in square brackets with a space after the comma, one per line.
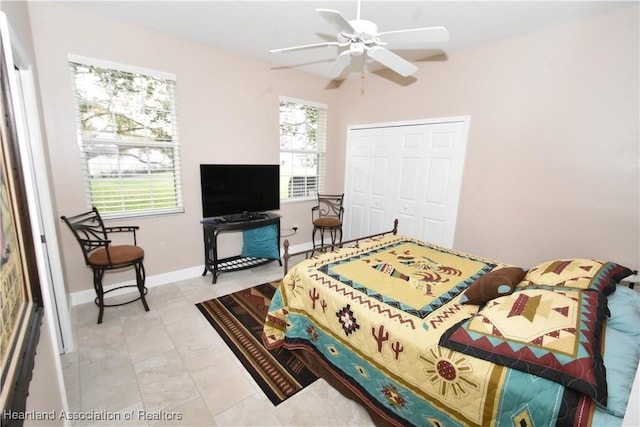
[128, 138]
[302, 148]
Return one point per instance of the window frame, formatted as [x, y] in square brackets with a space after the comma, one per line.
[173, 145]
[320, 150]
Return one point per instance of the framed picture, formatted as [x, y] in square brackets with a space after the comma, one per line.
[21, 306]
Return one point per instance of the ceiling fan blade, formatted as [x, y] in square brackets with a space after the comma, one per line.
[416, 35]
[339, 65]
[336, 19]
[306, 46]
[392, 61]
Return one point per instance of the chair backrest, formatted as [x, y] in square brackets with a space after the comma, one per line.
[88, 229]
[330, 205]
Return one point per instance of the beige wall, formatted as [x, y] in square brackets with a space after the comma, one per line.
[552, 158]
[227, 113]
[552, 162]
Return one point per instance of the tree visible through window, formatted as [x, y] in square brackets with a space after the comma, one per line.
[302, 147]
[128, 139]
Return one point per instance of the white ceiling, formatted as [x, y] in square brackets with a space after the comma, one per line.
[252, 28]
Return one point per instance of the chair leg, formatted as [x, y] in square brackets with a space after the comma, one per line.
[313, 239]
[98, 273]
[97, 284]
[140, 278]
[335, 240]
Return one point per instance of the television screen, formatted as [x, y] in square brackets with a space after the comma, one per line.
[237, 189]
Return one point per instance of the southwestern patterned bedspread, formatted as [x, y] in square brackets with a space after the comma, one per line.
[389, 319]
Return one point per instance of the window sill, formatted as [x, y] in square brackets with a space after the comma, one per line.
[139, 214]
[298, 199]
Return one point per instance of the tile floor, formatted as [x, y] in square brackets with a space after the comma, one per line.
[169, 362]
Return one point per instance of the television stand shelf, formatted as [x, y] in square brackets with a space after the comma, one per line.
[212, 227]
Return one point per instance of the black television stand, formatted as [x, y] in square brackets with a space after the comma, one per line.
[212, 227]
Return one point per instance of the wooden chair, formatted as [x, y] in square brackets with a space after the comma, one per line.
[101, 256]
[327, 216]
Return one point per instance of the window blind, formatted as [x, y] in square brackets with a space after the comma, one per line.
[303, 127]
[128, 137]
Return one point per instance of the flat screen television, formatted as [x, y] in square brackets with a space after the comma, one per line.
[235, 191]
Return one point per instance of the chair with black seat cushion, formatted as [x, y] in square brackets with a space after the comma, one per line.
[101, 255]
[327, 216]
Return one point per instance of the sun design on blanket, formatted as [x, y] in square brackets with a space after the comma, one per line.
[425, 273]
[295, 283]
[448, 371]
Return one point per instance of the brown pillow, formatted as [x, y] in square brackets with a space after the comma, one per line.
[492, 285]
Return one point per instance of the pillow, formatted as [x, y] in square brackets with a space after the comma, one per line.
[554, 334]
[492, 285]
[577, 273]
[621, 348]
[624, 304]
[261, 242]
[621, 369]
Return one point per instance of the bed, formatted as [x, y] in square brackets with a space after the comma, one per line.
[425, 335]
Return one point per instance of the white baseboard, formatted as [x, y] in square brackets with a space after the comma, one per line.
[83, 297]
[89, 295]
[299, 248]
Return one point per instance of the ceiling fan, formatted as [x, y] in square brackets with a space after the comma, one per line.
[361, 37]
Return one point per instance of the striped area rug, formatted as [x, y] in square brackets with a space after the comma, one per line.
[239, 318]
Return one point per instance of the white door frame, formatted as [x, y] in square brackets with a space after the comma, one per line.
[36, 179]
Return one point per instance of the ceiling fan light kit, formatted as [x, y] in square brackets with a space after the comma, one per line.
[360, 36]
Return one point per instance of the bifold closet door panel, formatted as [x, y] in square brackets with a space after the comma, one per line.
[410, 172]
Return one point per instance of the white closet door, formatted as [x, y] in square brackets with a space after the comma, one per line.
[410, 171]
[367, 188]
